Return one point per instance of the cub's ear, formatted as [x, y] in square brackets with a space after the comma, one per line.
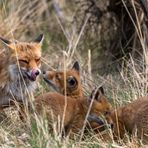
[39, 39]
[101, 90]
[76, 66]
[97, 93]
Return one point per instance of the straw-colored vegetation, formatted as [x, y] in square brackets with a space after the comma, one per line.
[122, 69]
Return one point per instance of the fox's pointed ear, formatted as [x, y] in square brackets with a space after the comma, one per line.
[101, 90]
[76, 66]
[5, 41]
[94, 94]
[97, 93]
[39, 39]
[8, 43]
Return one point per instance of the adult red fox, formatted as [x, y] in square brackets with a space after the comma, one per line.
[53, 104]
[66, 82]
[132, 118]
[19, 69]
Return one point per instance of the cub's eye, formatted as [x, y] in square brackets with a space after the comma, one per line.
[106, 113]
[71, 81]
[37, 60]
[24, 61]
[57, 76]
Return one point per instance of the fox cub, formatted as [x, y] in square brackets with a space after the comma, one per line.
[132, 118]
[66, 82]
[74, 90]
[19, 69]
[53, 104]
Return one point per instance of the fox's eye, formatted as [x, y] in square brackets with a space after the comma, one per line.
[71, 82]
[37, 60]
[24, 61]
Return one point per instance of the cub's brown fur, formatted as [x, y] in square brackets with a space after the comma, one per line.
[132, 118]
[66, 82]
[56, 80]
[105, 109]
[76, 109]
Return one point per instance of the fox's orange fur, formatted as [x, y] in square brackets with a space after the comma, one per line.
[66, 82]
[76, 109]
[132, 118]
[19, 68]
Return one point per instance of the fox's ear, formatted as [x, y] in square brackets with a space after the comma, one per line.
[76, 66]
[8, 43]
[5, 41]
[94, 94]
[101, 90]
[97, 93]
[39, 39]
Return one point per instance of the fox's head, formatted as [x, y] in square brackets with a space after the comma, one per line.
[101, 108]
[66, 82]
[24, 58]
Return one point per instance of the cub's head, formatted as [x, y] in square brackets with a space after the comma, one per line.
[24, 58]
[101, 109]
[66, 82]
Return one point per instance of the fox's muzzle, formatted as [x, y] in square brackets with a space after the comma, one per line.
[93, 118]
[32, 74]
[99, 121]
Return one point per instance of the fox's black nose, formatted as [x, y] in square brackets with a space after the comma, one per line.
[37, 73]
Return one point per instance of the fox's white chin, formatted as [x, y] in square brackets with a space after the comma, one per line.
[19, 82]
[22, 72]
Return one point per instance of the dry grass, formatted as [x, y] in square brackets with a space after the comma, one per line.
[24, 19]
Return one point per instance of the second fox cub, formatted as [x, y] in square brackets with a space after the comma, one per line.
[53, 104]
[132, 118]
[66, 82]
[19, 68]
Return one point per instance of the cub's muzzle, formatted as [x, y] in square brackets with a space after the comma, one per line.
[93, 118]
[50, 83]
[99, 121]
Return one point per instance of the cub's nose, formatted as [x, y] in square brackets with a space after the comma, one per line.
[44, 72]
